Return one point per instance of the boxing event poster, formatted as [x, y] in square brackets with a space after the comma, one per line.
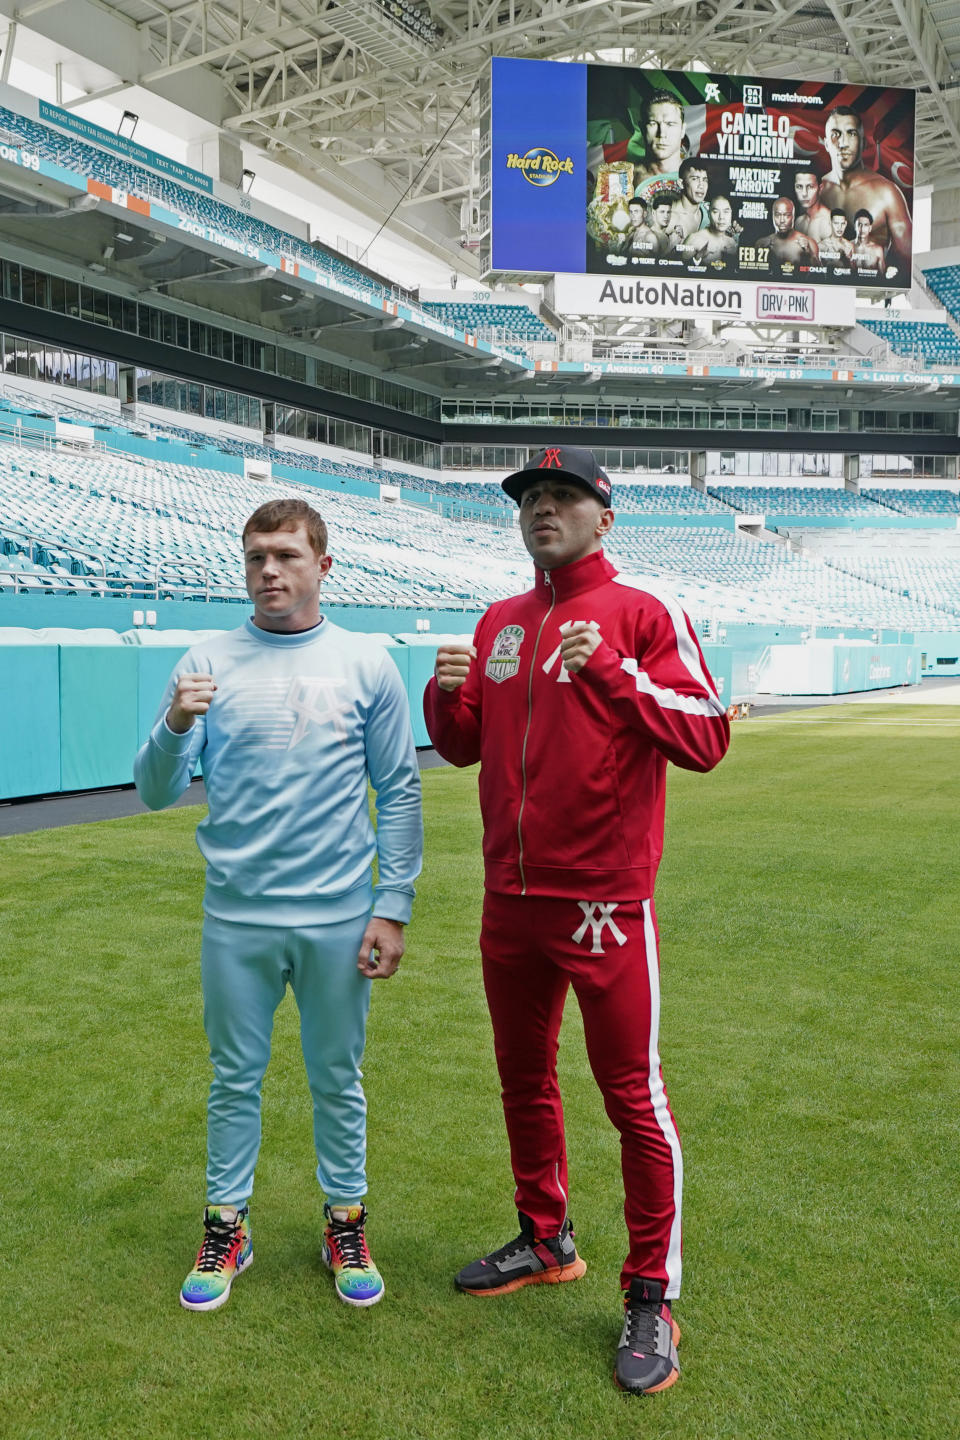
[616, 171]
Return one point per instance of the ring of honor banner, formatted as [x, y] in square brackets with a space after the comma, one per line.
[615, 171]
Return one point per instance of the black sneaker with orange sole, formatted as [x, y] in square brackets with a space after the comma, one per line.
[647, 1353]
[528, 1260]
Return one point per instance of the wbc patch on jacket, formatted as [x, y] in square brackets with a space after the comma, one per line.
[503, 662]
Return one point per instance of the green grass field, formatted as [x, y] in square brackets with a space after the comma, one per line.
[810, 935]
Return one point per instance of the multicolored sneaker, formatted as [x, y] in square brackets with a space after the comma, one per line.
[227, 1249]
[357, 1279]
[524, 1261]
[647, 1355]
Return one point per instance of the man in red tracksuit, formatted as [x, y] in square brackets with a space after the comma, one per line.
[573, 697]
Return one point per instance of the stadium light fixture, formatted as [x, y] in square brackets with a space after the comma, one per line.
[128, 123]
[247, 178]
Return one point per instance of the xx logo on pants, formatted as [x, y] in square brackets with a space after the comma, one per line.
[597, 914]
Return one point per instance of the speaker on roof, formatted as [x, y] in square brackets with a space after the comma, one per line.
[229, 161]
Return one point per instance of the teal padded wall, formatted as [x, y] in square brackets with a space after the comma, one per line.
[98, 715]
[875, 667]
[400, 656]
[29, 720]
[719, 660]
[941, 651]
[422, 651]
[154, 664]
[72, 717]
[419, 672]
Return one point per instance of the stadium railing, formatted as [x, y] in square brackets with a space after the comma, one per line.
[86, 160]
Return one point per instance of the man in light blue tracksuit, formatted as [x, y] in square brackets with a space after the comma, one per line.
[290, 716]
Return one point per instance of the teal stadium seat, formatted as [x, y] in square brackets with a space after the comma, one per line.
[186, 518]
[88, 160]
[944, 282]
[933, 342]
[513, 325]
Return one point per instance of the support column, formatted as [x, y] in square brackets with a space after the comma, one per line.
[219, 156]
[945, 218]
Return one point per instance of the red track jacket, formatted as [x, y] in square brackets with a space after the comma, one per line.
[573, 767]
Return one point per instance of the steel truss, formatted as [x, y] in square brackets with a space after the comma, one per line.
[339, 88]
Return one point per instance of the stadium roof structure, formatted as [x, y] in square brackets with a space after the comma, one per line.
[380, 100]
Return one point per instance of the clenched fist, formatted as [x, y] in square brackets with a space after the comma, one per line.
[453, 665]
[191, 698]
[578, 640]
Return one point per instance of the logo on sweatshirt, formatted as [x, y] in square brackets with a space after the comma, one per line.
[305, 697]
[503, 661]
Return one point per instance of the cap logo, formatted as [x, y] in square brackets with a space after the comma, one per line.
[551, 459]
[602, 484]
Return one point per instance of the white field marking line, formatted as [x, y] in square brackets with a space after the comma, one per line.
[911, 724]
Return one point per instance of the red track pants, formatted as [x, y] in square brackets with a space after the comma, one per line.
[533, 948]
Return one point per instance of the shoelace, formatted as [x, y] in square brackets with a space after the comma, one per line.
[512, 1247]
[642, 1325]
[351, 1243]
[215, 1249]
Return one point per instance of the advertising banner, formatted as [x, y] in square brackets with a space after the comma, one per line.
[97, 135]
[539, 147]
[703, 298]
[602, 169]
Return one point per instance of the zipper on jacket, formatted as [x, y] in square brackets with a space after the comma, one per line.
[526, 734]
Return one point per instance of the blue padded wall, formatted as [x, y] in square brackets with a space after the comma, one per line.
[98, 715]
[153, 671]
[29, 720]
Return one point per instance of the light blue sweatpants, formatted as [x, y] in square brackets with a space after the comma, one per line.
[245, 971]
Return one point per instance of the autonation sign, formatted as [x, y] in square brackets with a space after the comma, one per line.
[703, 298]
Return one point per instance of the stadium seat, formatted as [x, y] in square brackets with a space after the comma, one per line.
[935, 343]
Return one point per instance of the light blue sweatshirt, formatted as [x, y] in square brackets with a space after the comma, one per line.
[296, 726]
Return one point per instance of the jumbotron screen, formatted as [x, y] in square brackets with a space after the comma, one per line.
[601, 170]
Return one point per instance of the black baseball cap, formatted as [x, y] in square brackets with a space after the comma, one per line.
[570, 460]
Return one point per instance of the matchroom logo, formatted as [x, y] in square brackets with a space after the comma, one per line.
[540, 166]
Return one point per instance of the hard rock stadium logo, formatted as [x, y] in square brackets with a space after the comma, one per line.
[540, 166]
